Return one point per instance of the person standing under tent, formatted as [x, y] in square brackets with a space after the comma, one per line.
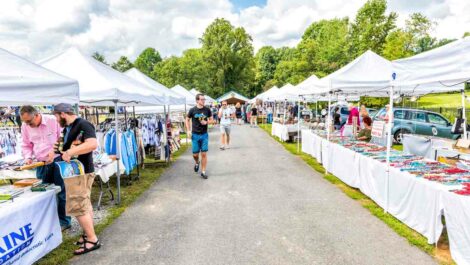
[79, 140]
[225, 116]
[248, 113]
[337, 119]
[39, 133]
[365, 134]
[238, 113]
[254, 116]
[353, 113]
[269, 112]
[363, 113]
[199, 116]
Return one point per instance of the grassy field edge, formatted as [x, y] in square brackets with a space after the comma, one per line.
[129, 194]
[413, 237]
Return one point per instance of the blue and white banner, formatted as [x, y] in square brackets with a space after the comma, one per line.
[29, 229]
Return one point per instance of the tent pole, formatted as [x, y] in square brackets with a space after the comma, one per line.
[298, 127]
[164, 131]
[184, 122]
[328, 128]
[118, 152]
[389, 146]
[464, 115]
[135, 135]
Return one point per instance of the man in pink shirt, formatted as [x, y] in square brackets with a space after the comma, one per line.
[40, 133]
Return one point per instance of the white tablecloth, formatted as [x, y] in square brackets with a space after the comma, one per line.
[416, 202]
[33, 216]
[282, 131]
[457, 215]
[108, 171]
[312, 144]
[104, 173]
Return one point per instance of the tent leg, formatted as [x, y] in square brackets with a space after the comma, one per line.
[137, 151]
[184, 123]
[328, 130]
[389, 146]
[118, 153]
[464, 115]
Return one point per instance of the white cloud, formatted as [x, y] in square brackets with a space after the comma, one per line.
[40, 28]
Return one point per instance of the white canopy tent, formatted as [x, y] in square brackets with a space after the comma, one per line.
[308, 83]
[190, 98]
[263, 96]
[101, 85]
[24, 82]
[371, 75]
[171, 98]
[209, 100]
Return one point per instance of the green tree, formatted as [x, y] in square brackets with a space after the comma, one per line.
[370, 28]
[229, 54]
[167, 72]
[266, 62]
[466, 34]
[398, 45]
[147, 60]
[193, 71]
[123, 64]
[99, 57]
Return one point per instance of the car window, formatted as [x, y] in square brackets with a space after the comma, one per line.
[399, 114]
[345, 110]
[436, 119]
[418, 116]
[380, 114]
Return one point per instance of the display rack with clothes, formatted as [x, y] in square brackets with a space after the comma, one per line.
[153, 136]
[9, 141]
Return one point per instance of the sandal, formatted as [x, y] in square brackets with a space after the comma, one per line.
[83, 238]
[96, 245]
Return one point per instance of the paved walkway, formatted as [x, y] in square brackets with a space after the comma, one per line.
[260, 205]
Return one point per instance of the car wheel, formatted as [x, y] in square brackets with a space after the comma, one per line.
[397, 136]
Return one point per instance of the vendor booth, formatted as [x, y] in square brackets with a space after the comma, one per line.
[29, 218]
[233, 98]
[401, 183]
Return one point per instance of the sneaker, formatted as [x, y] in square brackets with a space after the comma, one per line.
[222, 147]
[196, 167]
[227, 147]
[204, 175]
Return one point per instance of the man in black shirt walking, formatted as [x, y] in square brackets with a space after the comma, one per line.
[199, 116]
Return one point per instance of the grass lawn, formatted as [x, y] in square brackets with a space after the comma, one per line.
[444, 100]
[441, 254]
[152, 172]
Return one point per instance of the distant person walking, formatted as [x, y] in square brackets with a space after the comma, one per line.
[238, 113]
[199, 116]
[254, 116]
[225, 116]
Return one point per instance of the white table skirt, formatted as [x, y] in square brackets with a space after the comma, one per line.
[108, 171]
[457, 215]
[416, 202]
[37, 213]
[282, 131]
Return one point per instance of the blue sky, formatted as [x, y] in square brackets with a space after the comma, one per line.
[241, 4]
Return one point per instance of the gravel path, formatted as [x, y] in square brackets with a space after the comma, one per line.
[260, 205]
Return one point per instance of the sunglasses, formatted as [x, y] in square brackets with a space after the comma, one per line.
[203, 99]
[224, 104]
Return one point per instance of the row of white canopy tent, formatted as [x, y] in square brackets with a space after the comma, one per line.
[372, 75]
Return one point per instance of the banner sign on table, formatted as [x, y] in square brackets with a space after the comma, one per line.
[378, 129]
[29, 231]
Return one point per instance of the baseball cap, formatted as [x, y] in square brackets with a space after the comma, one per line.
[63, 107]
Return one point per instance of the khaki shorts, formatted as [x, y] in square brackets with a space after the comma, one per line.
[78, 192]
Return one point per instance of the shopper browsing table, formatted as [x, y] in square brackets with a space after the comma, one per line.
[199, 116]
[225, 116]
[366, 133]
[79, 140]
[40, 133]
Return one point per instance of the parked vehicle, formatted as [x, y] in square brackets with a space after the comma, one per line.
[416, 121]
